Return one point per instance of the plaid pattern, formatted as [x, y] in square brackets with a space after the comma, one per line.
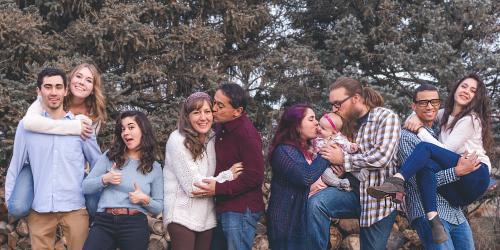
[378, 140]
[413, 202]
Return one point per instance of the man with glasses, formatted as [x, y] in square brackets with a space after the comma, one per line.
[426, 104]
[239, 203]
[378, 132]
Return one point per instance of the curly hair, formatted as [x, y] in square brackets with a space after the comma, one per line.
[148, 146]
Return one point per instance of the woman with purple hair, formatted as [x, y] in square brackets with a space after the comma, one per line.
[294, 170]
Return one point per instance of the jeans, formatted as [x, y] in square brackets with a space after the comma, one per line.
[428, 158]
[23, 193]
[235, 231]
[459, 236]
[324, 205]
[334, 203]
[118, 231]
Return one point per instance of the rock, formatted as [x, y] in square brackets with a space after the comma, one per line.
[155, 226]
[335, 238]
[349, 226]
[395, 241]
[351, 242]
[157, 242]
[24, 243]
[402, 223]
[12, 240]
[22, 228]
[260, 242]
[412, 237]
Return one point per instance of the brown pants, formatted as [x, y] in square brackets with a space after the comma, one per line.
[187, 239]
[42, 228]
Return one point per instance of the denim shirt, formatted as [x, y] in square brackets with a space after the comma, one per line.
[58, 167]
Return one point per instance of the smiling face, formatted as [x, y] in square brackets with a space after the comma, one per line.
[308, 126]
[426, 113]
[52, 92]
[131, 133]
[465, 92]
[201, 119]
[82, 83]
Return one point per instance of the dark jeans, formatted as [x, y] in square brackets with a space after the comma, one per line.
[426, 160]
[118, 231]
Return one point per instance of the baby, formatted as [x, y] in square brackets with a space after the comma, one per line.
[329, 133]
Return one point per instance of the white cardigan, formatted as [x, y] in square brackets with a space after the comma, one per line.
[179, 174]
[466, 135]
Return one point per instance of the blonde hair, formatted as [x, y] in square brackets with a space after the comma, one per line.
[95, 102]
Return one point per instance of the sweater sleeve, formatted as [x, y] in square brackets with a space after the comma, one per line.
[181, 161]
[93, 182]
[34, 121]
[155, 205]
[288, 163]
[253, 173]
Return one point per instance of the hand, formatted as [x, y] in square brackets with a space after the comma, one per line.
[86, 130]
[205, 189]
[236, 169]
[354, 147]
[467, 163]
[338, 170]
[112, 177]
[138, 196]
[332, 153]
[413, 123]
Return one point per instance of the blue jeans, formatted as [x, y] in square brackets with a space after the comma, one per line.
[426, 159]
[459, 236]
[23, 193]
[235, 231]
[334, 203]
[123, 231]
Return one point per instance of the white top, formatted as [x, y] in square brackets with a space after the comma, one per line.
[34, 121]
[466, 135]
[179, 174]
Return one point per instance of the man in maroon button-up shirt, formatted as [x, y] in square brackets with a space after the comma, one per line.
[239, 203]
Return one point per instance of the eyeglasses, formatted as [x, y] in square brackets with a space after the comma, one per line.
[337, 104]
[424, 103]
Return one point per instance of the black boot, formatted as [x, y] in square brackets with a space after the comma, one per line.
[392, 187]
[438, 233]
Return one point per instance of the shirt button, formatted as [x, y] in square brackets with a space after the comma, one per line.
[220, 139]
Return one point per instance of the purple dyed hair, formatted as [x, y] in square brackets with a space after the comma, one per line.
[288, 128]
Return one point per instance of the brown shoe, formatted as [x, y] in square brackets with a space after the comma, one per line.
[438, 233]
[392, 187]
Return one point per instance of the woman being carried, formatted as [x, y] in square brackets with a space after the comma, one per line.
[465, 128]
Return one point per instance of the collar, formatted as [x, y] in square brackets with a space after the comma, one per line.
[363, 120]
[67, 116]
[232, 125]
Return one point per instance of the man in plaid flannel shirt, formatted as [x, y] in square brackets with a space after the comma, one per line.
[378, 132]
[426, 103]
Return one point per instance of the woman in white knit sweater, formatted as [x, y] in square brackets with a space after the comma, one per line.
[190, 158]
[465, 137]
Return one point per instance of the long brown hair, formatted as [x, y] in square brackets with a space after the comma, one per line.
[371, 97]
[479, 106]
[194, 102]
[95, 102]
[148, 146]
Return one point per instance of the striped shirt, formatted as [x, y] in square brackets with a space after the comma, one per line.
[413, 201]
[378, 138]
